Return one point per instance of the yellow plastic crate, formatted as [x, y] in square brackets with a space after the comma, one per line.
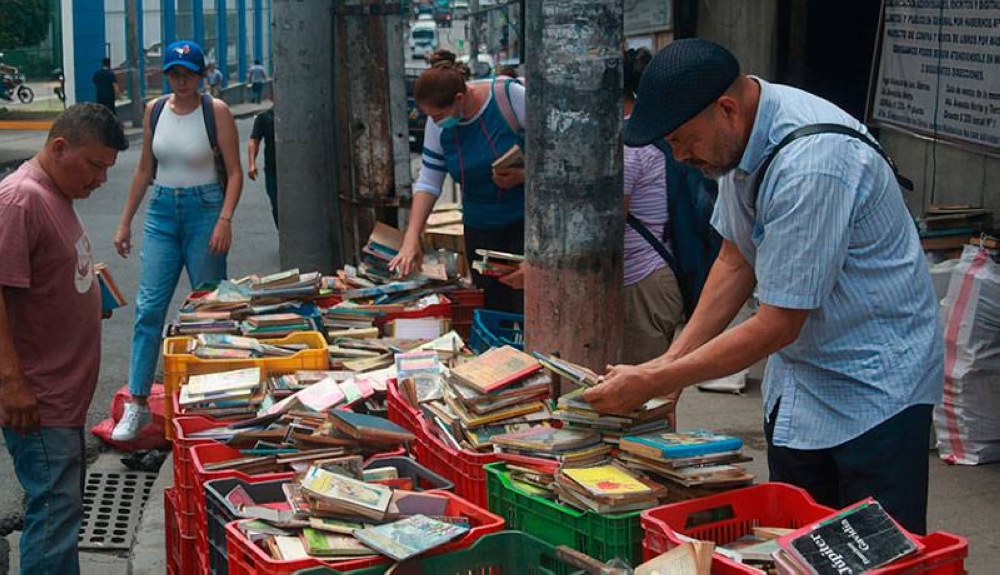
[178, 364]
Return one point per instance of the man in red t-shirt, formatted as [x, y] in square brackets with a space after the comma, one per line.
[50, 328]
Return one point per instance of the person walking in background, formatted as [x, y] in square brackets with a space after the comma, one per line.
[263, 130]
[50, 328]
[847, 314]
[213, 81]
[106, 86]
[256, 76]
[653, 306]
[189, 218]
[469, 126]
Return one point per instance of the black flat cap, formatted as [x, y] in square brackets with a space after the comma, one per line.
[679, 82]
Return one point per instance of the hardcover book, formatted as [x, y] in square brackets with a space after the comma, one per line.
[858, 539]
[111, 296]
[495, 369]
[690, 443]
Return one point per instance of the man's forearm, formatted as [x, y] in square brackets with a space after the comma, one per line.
[10, 363]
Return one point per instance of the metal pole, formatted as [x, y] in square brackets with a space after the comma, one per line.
[474, 35]
[304, 136]
[574, 214]
[133, 51]
[373, 142]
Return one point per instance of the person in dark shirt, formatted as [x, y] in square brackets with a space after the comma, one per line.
[107, 87]
[263, 129]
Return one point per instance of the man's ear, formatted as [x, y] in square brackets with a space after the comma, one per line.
[57, 147]
[728, 106]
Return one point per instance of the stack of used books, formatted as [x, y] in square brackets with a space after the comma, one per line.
[575, 413]
[606, 489]
[495, 263]
[383, 245]
[290, 441]
[534, 456]
[949, 226]
[692, 462]
[486, 396]
[234, 394]
[692, 557]
[225, 346]
[285, 285]
[276, 325]
[338, 511]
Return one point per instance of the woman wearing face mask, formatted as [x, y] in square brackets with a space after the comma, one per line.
[470, 125]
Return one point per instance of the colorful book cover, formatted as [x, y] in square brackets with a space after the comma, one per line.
[334, 487]
[689, 443]
[409, 537]
[496, 368]
[606, 480]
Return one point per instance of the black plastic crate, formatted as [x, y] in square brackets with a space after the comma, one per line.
[219, 512]
[423, 479]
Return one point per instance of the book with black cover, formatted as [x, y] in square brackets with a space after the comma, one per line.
[858, 539]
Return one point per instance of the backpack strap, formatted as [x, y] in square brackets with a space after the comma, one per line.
[506, 108]
[208, 114]
[812, 130]
[641, 229]
[154, 117]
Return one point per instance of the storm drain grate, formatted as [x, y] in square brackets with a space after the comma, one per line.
[112, 506]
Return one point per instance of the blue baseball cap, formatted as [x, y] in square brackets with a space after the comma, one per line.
[184, 53]
[679, 82]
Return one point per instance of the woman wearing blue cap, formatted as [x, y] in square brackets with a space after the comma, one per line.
[190, 155]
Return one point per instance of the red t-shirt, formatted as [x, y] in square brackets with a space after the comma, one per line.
[52, 296]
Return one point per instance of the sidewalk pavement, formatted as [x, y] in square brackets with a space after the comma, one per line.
[18, 145]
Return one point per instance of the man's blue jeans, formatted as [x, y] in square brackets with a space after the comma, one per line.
[179, 224]
[50, 466]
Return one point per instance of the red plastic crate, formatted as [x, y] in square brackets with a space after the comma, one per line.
[461, 467]
[182, 444]
[213, 453]
[400, 411]
[463, 303]
[171, 531]
[442, 309]
[246, 558]
[726, 517]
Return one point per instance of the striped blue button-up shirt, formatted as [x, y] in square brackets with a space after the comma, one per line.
[831, 234]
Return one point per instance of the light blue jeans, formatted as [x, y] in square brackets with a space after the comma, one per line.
[50, 466]
[179, 224]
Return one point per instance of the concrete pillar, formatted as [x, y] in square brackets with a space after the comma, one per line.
[372, 131]
[135, 61]
[86, 48]
[304, 136]
[574, 220]
[258, 33]
[198, 21]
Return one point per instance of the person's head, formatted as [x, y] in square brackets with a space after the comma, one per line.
[440, 91]
[106, 62]
[634, 64]
[184, 65]
[82, 144]
[256, 63]
[693, 95]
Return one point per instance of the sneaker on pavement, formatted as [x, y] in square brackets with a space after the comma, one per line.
[135, 418]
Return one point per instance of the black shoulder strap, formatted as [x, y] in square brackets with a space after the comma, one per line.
[647, 235]
[154, 117]
[814, 129]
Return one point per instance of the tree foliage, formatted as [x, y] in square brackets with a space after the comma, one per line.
[24, 23]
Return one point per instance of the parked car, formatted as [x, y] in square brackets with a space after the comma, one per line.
[423, 38]
[154, 76]
[416, 120]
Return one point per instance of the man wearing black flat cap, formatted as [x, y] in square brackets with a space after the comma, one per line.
[815, 220]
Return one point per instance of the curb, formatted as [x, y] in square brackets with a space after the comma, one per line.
[132, 134]
[40, 125]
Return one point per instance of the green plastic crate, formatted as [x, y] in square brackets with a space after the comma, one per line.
[603, 537]
[502, 553]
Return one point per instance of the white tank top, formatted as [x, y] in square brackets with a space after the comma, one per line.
[183, 154]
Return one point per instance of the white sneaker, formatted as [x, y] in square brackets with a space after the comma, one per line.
[135, 418]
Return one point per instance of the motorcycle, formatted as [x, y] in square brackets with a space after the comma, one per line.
[13, 85]
[60, 90]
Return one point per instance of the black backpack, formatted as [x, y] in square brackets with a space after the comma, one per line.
[208, 114]
[690, 202]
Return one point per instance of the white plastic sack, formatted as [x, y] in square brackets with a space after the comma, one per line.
[967, 422]
[734, 383]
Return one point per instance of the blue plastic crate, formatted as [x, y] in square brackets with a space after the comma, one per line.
[495, 329]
